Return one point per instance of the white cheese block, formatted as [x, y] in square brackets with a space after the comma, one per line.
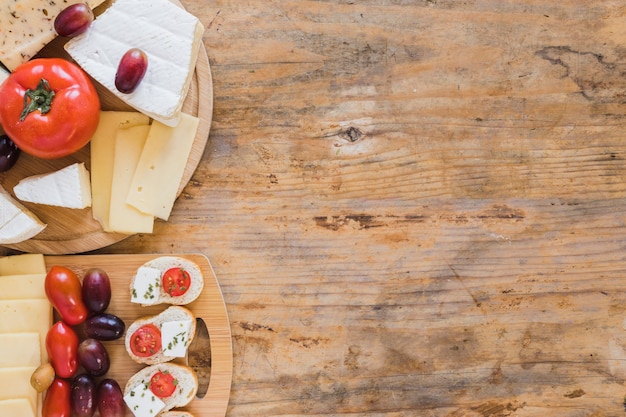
[175, 337]
[19, 407]
[124, 218]
[169, 36]
[27, 26]
[161, 166]
[22, 226]
[68, 187]
[15, 383]
[102, 154]
[19, 349]
[142, 402]
[16, 287]
[23, 264]
[146, 286]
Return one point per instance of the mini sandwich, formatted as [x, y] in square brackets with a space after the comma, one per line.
[167, 279]
[156, 389]
[161, 338]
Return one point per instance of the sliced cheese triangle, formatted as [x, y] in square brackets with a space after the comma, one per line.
[68, 187]
[21, 226]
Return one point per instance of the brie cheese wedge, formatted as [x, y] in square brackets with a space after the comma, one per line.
[169, 36]
[17, 222]
[68, 187]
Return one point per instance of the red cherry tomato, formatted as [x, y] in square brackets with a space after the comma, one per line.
[57, 401]
[62, 347]
[163, 384]
[146, 341]
[64, 291]
[176, 281]
[49, 107]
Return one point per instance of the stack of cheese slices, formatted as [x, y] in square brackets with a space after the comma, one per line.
[25, 317]
[138, 157]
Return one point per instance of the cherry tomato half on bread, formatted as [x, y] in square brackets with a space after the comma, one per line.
[49, 107]
[176, 281]
[62, 348]
[57, 400]
[163, 384]
[64, 291]
[146, 341]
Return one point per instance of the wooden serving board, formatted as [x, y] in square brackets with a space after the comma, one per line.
[75, 231]
[211, 354]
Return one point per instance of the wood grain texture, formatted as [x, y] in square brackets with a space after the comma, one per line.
[209, 307]
[414, 208]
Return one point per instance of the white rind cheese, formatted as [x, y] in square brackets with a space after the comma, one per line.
[166, 33]
[28, 26]
[68, 187]
[21, 226]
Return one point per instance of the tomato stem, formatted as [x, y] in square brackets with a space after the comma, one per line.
[38, 99]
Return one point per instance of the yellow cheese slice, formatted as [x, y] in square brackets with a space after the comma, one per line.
[15, 287]
[28, 263]
[102, 152]
[18, 316]
[161, 167]
[18, 407]
[15, 383]
[19, 349]
[124, 218]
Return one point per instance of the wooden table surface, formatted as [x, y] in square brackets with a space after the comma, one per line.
[414, 208]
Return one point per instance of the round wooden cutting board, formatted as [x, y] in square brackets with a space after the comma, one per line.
[71, 231]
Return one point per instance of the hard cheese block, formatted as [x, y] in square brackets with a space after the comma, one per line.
[15, 384]
[160, 169]
[124, 218]
[21, 224]
[25, 317]
[102, 153]
[24, 264]
[68, 187]
[28, 26]
[16, 287]
[19, 407]
[30, 316]
[166, 33]
[19, 349]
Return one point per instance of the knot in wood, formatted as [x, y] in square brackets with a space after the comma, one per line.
[351, 134]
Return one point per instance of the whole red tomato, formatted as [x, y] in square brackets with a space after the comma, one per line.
[62, 348]
[57, 401]
[49, 107]
[64, 290]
